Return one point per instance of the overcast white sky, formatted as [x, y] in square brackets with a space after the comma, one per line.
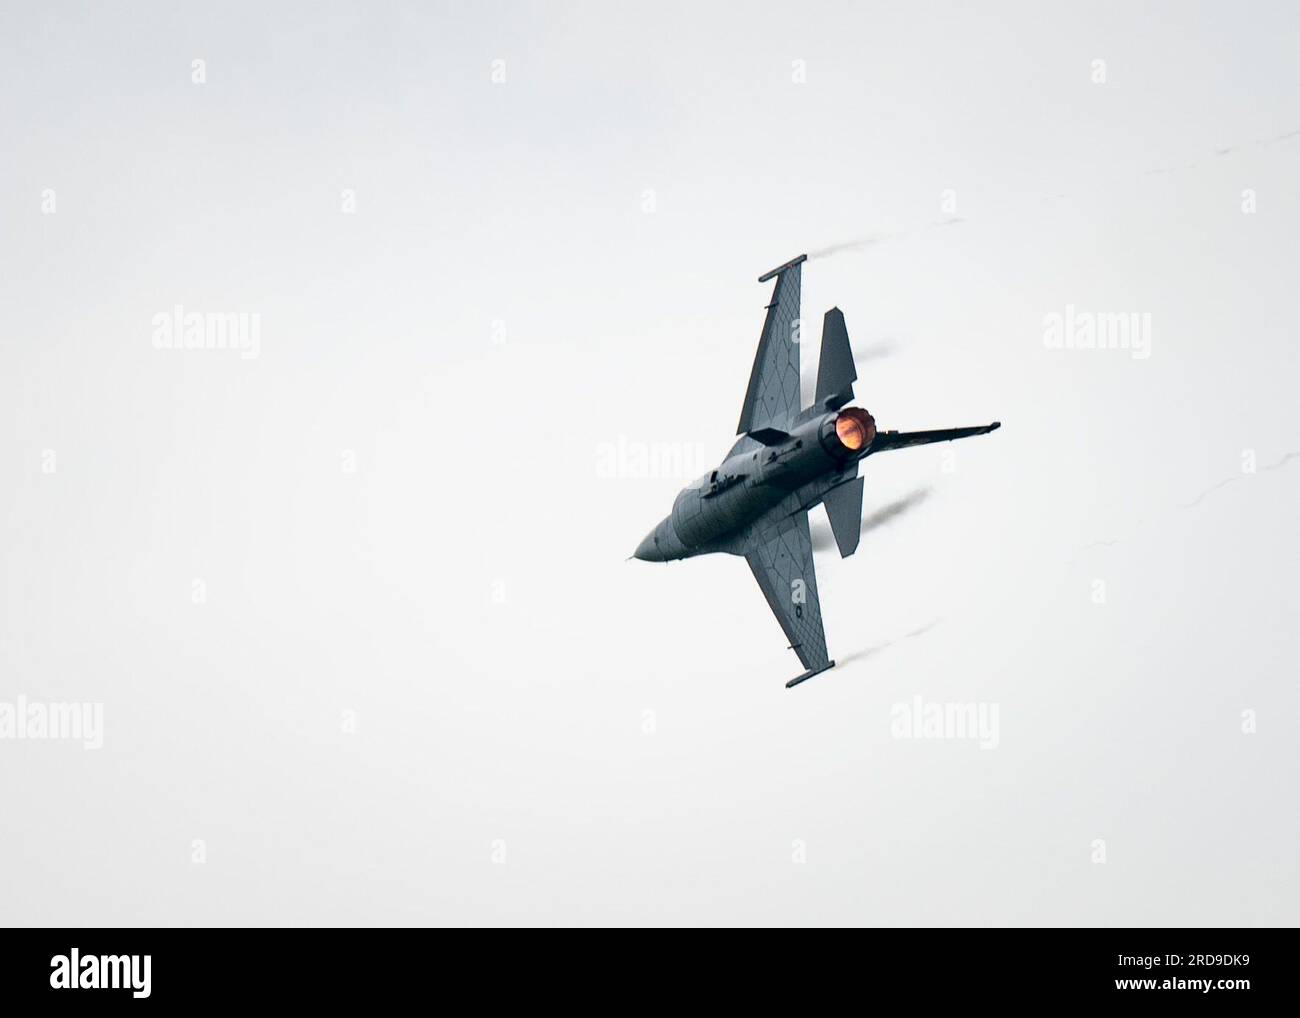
[431, 690]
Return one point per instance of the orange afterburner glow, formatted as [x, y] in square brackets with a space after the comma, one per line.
[855, 429]
[851, 433]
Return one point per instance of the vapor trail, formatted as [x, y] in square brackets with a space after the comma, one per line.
[866, 652]
[872, 239]
[821, 535]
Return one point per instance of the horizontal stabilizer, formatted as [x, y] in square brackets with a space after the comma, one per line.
[844, 510]
[836, 372]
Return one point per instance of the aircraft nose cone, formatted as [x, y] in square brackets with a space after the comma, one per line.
[648, 550]
[661, 544]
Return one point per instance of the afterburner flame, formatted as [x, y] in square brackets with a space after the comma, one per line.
[855, 429]
[851, 433]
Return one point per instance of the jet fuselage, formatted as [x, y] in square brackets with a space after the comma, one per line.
[754, 478]
[789, 459]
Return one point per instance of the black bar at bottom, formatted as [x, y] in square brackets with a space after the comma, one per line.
[385, 967]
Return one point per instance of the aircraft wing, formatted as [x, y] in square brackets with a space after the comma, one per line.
[772, 399]
[781, 559]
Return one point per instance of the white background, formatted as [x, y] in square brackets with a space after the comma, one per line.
[503, 767]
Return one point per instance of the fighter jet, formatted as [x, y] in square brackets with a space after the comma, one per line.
[787, 460]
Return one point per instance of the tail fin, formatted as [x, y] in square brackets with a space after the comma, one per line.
[836, 372]
[844, 510]
[886, 440]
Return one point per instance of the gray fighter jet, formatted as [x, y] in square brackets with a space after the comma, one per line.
[787, 460]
